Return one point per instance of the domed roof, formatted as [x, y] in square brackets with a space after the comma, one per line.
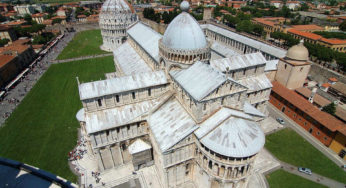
[119, 5]
[184, 32]
[235, 137]
[298, 52]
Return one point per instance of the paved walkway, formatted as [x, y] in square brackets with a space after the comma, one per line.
[274, 112]
[313, 177]
[82, 58]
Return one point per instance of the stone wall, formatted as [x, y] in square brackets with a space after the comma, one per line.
[158, 27]
[321, 74]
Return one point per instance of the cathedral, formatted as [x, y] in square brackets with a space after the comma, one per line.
[185, 102]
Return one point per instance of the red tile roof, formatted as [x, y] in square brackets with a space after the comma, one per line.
[333, 79]
[326, 85]
[4, 59]
[333, 41]
[325, 119]
[307, 27]
[318, 99]
[305, 34]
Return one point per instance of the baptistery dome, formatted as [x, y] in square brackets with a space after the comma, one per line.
[184, 41]
[298, 52]
[115, 16]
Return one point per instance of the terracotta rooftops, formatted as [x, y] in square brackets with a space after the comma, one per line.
[326, 85]
[333, 79]
[340, 87]
[305, 34]
[307, 27]
[4, 59]
[333, 41]
[318, 99]
[304, 105]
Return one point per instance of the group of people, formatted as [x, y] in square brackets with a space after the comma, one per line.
[78, 152]
[96, 176]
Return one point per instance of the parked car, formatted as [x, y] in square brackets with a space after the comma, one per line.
[304, 170]
[281, 121]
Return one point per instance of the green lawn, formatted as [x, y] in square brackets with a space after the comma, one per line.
[56, 1]
[290, 147]
[84, 43]
[283, 179]
[43, 128]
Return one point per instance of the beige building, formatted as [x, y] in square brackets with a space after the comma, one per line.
[7, 33]
[186, 102]
[294, 68]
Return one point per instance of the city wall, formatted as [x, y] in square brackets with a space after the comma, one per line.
[321, 74]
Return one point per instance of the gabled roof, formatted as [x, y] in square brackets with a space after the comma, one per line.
[216, 119]
[304, 105]
[238, 62]
[199, 80]
[249, 109]
[129, 61]
[271, 65]
[121, 84]
[256, 83]
[138, 146]
[274, 51]
[115, 117]
[223, 50]
[170, 124]
[147, 38]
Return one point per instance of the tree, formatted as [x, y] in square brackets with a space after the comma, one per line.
[3, 42]
[304, 7]
[2, 18]
[330, 108]
[342, 26]
[28, 19]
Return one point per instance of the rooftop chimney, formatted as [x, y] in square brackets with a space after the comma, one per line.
[313, 92]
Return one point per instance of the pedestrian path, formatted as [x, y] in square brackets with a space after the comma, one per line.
[81, 58]
[313, 177]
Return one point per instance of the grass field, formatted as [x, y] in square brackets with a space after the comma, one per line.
[290, 147]
[43, 128]
[84, 43]
[283, 179]
[56, 1]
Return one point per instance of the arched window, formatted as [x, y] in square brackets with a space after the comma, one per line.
[117, 98]
[99, 102]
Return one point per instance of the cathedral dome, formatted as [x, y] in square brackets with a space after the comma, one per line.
[184, 32]
[298, 52]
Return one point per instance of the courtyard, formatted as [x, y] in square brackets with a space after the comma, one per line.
[291, 148]
[43, 128]
[85, 43]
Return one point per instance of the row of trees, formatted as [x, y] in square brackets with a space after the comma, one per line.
[328, 35]
[43, 38]
[288, 39]
[242, 23]
[326, 54]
